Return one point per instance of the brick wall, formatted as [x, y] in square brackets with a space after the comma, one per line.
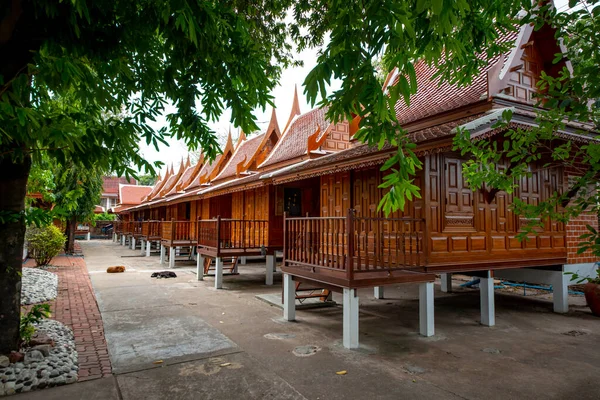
[575, 228]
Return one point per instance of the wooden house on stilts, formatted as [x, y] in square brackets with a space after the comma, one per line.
[312, 191]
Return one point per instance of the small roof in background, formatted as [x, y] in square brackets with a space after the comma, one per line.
[133, 194]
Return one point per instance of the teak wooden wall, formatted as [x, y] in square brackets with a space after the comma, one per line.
[461, 226]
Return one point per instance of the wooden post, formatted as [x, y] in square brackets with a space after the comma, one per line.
[350, 245]
[284, 236]
[172, 230]
[218, 235]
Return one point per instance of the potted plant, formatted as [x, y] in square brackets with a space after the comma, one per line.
[591, 290]
[592, 287]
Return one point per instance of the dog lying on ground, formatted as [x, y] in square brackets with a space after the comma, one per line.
[114, 270]
[164, 274]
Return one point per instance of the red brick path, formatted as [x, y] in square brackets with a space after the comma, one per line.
[76, 307]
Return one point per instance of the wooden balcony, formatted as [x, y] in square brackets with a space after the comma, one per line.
[151, 230]
[127, 228]
[136, 229]
[118, 227]
[354, 251]
[178, 233]
[235, 237]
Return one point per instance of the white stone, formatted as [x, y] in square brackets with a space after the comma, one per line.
[38, 285]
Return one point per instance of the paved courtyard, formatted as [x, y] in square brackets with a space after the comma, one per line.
[180, 338]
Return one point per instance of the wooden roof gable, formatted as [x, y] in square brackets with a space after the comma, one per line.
[244, 150]
[159, 185]
[173, 179]
[264, 148]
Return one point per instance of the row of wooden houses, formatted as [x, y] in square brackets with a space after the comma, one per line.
[311, 191]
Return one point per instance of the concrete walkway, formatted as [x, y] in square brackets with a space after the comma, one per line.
[182, 339]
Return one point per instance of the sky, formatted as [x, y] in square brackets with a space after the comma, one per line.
[283, 96]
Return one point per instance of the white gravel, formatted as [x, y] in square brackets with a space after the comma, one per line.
[58, 368]
[38, 285]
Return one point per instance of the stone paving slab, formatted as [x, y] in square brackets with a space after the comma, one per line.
[233, 376]
[76, 307]
[138, 338]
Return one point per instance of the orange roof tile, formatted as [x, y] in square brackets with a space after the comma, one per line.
[434, 97]
[242, 154]
[133, 194]
[294, 140]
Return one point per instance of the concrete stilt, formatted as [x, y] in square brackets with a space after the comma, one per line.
[122, 240]
[148, 245]
[171, 257]
[486, 293]
[142, 247]
[289, 298]
[88, 236]
[350, 339]
[200, 268]
[114, 237]
[378, 292]
[270, 267]
[162, 254]
[426, 321]
[218, 273]
[446, 280]
[132, 243]
[243, 260]
[560, 292]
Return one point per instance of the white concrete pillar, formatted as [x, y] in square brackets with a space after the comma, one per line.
[218, 273]
[148, 245]
[270, 266]
[142, 248]
[171, 257]
[378, 292]
[243, 260]
[122, 240]
[446, 280]
[114, 237]
[350, 339]
[162, 254]
[426, 320]
[289, 298]
[486, 293]
[132, 243]
[89, 236]
[560, 292]
[200, 267]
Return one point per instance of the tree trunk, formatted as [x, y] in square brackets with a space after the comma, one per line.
[70, 244]
[13, 188]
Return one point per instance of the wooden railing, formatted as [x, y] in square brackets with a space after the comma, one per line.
[179, 231]
[354, 244]
[127, 227]
[151, 229]
[136, 228]
[118, 226]
[233, 234]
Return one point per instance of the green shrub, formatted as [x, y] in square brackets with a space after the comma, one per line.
[44, 243]
[37, 313]
[105, 217]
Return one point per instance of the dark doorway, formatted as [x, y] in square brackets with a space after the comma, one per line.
[293, 202]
